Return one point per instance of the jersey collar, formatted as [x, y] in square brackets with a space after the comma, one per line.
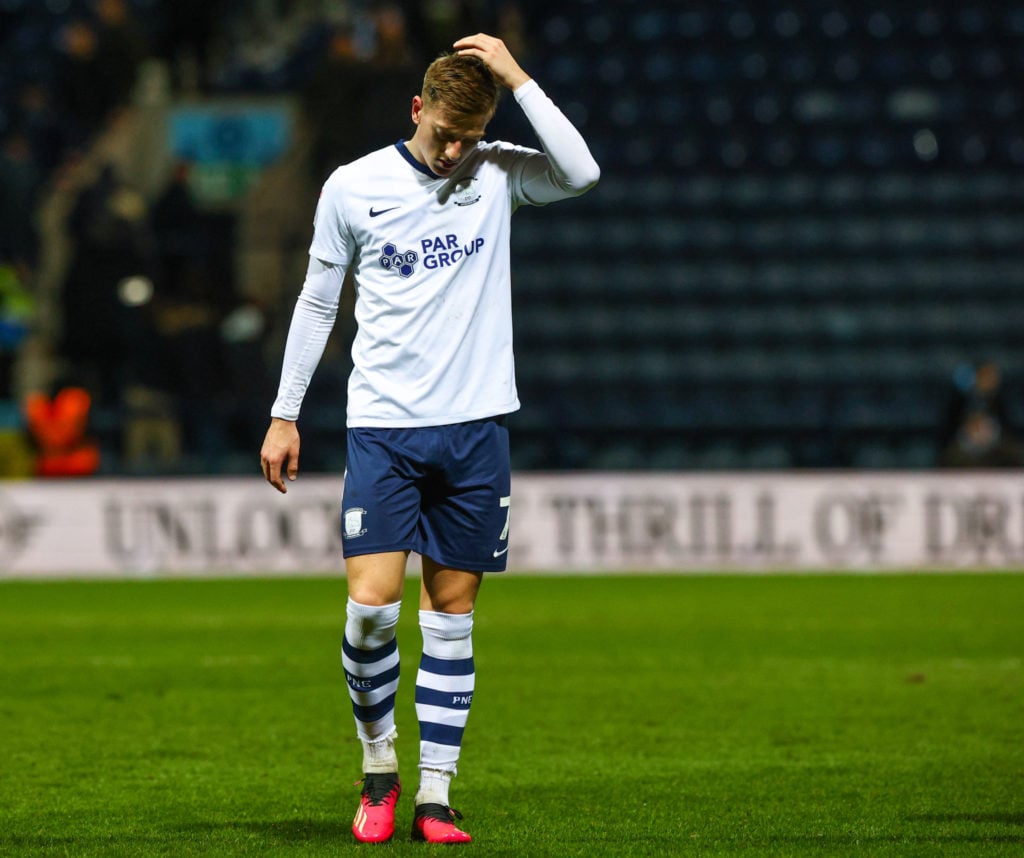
[403, 150]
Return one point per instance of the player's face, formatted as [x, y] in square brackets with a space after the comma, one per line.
[439, 143]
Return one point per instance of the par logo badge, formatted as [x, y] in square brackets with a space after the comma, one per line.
[353, 520]
[401, 261]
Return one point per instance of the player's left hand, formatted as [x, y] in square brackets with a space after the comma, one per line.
[496, 56]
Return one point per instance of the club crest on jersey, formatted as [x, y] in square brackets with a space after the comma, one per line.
[403, 262]
[353, 522]
[465, 193]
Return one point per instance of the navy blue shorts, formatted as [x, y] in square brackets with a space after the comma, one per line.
[441, 491]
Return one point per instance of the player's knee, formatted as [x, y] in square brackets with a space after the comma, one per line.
[448, 599]
[452, 604]
[372, 595]
[370, 626]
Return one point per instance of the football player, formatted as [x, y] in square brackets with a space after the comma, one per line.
[423, 226]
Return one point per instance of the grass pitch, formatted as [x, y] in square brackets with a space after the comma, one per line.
[613, 716]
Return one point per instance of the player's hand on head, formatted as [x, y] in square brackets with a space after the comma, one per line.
[280, 454]
[496, 56]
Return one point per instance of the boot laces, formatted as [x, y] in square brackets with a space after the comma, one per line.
[377, 788]
[440, 812]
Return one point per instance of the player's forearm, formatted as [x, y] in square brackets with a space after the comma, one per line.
[573, 167]
[312, 321]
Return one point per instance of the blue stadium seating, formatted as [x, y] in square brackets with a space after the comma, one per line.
[809, 216]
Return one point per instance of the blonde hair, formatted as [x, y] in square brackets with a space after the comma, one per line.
[462, 87]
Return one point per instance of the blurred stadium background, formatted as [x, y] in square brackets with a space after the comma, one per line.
[808, 235]
[809, 227]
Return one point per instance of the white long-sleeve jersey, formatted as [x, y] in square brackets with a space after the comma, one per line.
[430, 262]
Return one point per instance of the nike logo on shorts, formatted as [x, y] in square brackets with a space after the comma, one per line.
[499, 553]
[375, 212]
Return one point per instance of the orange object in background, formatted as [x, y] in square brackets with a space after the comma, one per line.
[58, 427]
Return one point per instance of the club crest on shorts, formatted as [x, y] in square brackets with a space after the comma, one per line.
[352, 522]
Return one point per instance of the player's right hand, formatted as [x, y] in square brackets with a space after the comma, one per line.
[280, 453]
[496, 56]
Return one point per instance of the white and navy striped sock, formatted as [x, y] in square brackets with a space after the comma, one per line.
[369, 655]
[444, 692]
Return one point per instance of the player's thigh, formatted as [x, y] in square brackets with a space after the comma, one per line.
[376, 579]
[448, 591]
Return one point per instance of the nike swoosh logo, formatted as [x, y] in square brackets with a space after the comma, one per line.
[499, 553]
[374, 213]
